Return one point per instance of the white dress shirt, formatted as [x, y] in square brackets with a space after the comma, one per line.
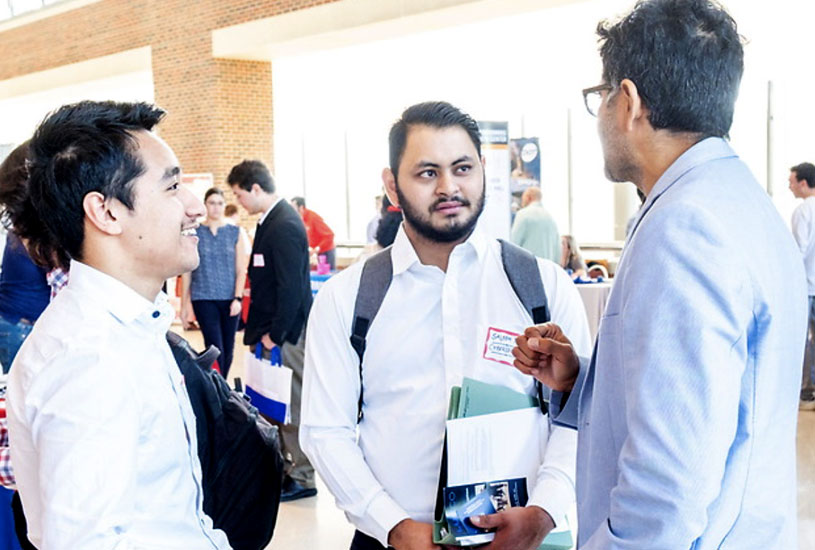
[430, 332]
[803, 229]
[103, 433]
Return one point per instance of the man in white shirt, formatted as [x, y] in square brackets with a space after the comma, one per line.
[448, 293]
[104, 436]
[802, 185]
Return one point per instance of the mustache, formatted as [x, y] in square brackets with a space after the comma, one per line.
[459, 199]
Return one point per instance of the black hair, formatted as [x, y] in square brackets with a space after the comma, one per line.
[805, 171]
[388, 224]
[249, 172]
[299, 201]
[686, 59]
[212, 191]
[436, 114]
[78, 149]
[18, 214]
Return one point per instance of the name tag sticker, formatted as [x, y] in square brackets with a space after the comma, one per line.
[498, 346]
[257, 260]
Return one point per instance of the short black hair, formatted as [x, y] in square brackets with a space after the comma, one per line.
[805, 171]
[19, 216]
[212, 191]
[299, 201]
[78, 149]
[250, 172]
[436, 114]
[686, 58]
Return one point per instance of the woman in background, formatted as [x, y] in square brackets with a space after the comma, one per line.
[215, 289]
[570, 256]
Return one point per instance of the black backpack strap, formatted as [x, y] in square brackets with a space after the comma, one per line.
[373, 285]
[522, 271]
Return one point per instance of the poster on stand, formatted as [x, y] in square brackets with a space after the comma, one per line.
[526, 167]
[495, 221]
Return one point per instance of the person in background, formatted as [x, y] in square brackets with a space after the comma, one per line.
[802, 185]
[231, 214]
[571, 259]
[103, 434]
[281, 300]
[370, 230]
[389, 223]
[320, 236]
[214, 290]
[24, 295]
[534, 228]
[687, 410]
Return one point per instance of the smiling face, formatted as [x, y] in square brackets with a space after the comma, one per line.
[440, 185]
[159, 232]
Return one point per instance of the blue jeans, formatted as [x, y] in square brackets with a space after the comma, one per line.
[808, 382]
[218, 328]
[12, 336]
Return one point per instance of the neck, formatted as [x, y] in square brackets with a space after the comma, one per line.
[266, 201]
[658, 152]
[431, 252]
[124, 272]
[215, 222]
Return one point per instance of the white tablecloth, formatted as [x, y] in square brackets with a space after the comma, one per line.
[595, 296]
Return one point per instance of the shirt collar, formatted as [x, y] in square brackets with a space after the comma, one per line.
[265, 214]
[403, 255]
[124, 303]
[713, 148]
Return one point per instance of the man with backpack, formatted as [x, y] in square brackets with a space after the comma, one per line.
[103, 433]
[438, 295]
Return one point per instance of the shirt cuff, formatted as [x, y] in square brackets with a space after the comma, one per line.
[563, 407]
[384, 514]
[555, 496]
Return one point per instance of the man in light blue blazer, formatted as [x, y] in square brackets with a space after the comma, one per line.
[686, 412]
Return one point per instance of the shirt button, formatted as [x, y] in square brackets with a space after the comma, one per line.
[156, 314]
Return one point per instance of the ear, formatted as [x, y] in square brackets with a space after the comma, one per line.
[389, 181]
[104, 214]
[635, 110]
[483, 161]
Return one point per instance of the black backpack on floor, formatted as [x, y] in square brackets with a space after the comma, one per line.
[241, 463]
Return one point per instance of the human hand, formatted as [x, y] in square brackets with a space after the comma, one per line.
[543, 351]
[412, 535]
[267, 342]
[187, 316]
[516, 528]
[234, 308]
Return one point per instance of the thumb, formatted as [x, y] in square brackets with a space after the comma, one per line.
[550, 347]
[491, 521]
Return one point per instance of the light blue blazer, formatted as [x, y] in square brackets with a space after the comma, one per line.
[687, 411]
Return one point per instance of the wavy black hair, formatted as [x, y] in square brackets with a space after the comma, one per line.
[686, 58]
[78, 149]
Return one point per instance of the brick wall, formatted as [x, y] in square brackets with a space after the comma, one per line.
[220, 111]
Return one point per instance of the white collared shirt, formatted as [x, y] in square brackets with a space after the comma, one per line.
[803, 229]
[430, 332]
[103, 434]
[266, 214]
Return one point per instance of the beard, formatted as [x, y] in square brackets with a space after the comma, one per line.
[453, 230]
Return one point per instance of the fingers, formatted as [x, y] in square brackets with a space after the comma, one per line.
[490, 521]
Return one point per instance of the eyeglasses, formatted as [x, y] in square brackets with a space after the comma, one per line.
[593, 97]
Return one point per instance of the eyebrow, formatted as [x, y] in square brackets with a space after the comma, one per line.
[170, 173]
[428, 164]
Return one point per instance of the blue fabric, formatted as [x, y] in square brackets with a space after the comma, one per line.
[218, 328]
[687, 412]
[24, 292]
[214, 279]
[8, 538]
[12, 336]
[269, 407]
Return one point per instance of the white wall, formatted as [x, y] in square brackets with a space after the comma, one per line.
[527, 70]
[21, 114]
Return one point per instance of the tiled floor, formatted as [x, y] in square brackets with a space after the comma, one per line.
[316, 523]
